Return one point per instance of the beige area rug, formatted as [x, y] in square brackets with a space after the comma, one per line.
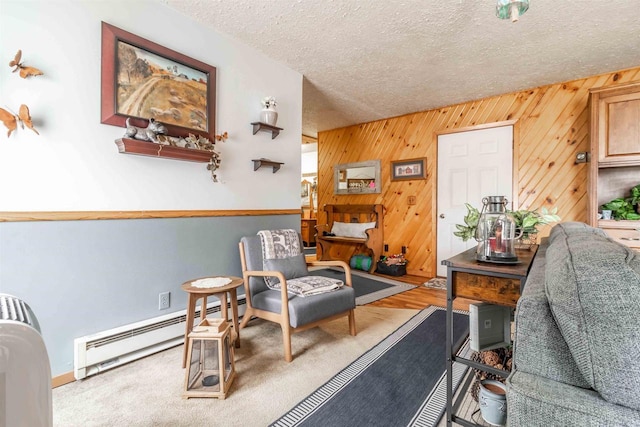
[148, 392]
[436, 283]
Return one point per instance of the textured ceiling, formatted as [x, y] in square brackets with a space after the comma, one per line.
[365, 60]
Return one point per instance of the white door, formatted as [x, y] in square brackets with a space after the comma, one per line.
[471, 165]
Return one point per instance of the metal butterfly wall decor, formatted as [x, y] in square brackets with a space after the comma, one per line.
[11, 120]
[24, 70]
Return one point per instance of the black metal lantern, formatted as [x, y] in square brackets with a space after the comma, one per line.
[496, 232]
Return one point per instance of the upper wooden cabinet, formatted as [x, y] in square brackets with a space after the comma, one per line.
[615, 155]
[615, 112]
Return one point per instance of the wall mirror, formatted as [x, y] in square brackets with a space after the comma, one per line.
[357, 178]
[309, 193]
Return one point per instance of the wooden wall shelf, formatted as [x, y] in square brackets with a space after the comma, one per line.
[258, 163]
[257, 126]
[145, 148]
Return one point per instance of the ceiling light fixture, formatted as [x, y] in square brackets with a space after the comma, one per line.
[511, 9]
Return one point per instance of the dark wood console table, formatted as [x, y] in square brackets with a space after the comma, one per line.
[485, 282]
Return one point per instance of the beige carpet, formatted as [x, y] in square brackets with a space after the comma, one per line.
[148, 392]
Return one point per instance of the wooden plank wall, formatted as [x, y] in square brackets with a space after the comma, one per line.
[551, 124]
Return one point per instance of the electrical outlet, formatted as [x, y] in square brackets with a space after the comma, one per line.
[404, 249]
[411, 200]
[386, 247]
[164, 300]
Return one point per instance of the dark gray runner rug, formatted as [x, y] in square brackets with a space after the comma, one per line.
[399, 382]
[368, 287]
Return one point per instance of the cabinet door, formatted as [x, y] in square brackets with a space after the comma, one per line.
[628, 237]
[619, 142]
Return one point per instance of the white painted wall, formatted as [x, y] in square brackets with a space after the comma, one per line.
[74, 163]
[309, 159]
[81, 277]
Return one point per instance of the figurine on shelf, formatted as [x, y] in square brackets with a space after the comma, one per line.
[150, 133]
[213, 165]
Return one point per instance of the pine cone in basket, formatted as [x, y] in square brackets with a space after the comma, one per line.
[491, 358]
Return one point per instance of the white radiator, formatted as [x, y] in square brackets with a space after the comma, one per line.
[105, 350]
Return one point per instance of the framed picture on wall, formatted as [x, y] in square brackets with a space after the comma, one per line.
[404, 170]
[143, 80]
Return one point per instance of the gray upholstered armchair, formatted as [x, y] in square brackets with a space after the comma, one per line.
[292, 311]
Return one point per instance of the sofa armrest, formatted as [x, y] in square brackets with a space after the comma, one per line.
[539, 347]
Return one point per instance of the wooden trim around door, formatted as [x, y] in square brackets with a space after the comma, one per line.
[476, 127]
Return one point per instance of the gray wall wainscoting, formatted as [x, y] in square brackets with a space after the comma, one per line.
[83, 277]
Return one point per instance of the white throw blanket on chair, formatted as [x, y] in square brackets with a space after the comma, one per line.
[279, 244]
[285, 245]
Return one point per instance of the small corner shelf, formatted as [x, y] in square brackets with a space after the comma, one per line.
[145, 148]
[275, 131]
[258, 163]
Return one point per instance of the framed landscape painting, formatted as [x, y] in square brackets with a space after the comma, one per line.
[143, 80]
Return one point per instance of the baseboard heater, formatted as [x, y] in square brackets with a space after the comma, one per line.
[107, 349]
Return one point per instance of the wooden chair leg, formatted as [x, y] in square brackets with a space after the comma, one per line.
[245, 318]
[286, 339]
[352, 323]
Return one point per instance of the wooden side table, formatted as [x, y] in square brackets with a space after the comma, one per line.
[308, 231]
[219, 292]
[499, 284]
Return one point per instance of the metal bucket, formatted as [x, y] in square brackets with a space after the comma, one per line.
[493, 402]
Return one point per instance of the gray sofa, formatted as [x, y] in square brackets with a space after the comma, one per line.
[577, 344]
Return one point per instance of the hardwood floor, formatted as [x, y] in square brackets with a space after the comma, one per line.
[419, 297]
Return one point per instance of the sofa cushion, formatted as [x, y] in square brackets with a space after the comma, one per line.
[535, 401]
[538, 347]
[564, 229]
[593, 288]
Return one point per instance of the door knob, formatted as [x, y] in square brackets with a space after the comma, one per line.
[442, 216]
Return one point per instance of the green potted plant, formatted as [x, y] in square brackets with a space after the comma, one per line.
[621, 208]
[468, 230]
[527, 222]
[635, 197]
